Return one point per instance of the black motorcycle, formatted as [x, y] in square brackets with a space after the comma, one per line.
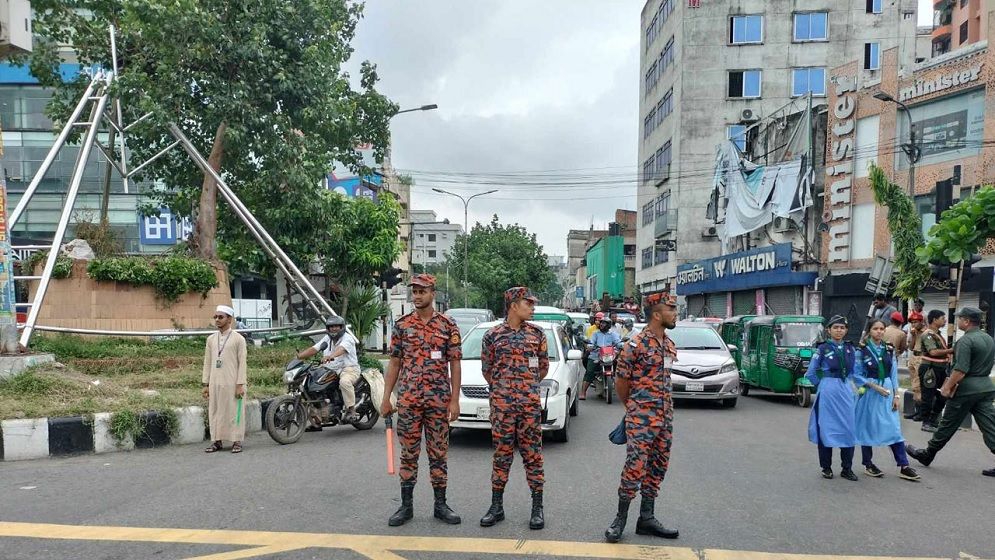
[313, 399]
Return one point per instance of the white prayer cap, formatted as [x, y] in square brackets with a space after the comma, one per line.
[226, 310]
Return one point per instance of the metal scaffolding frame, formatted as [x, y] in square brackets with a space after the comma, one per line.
[105, 110]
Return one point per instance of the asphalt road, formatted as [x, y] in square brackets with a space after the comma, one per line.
[743, 479]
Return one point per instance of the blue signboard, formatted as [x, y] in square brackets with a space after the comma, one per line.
[164, 229]
[764, 267]
[354, 186]
[579, 292]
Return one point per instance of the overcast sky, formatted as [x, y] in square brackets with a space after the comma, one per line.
[522, 86]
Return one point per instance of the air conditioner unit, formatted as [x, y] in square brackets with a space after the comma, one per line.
[749, 115]
[15, 27]
[783, 225]
[710, 231]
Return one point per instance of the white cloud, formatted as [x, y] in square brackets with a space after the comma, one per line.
[521, 86]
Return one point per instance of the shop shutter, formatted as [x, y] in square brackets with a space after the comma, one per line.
[716, 304]
[940, 301]
[744, 303]
[784, 300]
[695, 305]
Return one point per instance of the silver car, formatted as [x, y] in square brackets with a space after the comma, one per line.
[704, 368]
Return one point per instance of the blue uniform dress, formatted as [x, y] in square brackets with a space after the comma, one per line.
[831, 423]
[877, 424]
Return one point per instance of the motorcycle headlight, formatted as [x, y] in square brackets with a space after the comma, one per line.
[290, 374]
[548, 387]
[606, 359]
[728, 368]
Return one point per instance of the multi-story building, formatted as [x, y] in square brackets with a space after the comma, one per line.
[578, 240]
[711, 70]
[610, 261]
[431, 241]
[950, 107]
[958, 23]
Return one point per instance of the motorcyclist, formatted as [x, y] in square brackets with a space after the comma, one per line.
[340, 350]
[603, 337]
[593, 328]
[627, 328]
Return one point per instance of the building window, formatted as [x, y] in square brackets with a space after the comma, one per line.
[872, 56]
[656, 115]
[663, 158]
[667, 56]
[649, 123]
[808, 80]
[648, 168]
[648, 213]
[662, 204]
[744, 83]
[661, 256]
[874, 6]
[866, 145]
[744, 30]
[652, 77]
[659, 20]
[926, 207]
[737, 133]
[812, 26]
[431, 237]
[862, 232]
[963, 33]
[647, 258]
[431, 253]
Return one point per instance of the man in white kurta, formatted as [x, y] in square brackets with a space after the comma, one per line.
[224, 382]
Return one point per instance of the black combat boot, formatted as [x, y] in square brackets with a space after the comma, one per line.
[407, 510]
[916, 414]
[924, 456]
[442, 510]
[538, 520]
[614, 532]
[496, 512]
[648, 524]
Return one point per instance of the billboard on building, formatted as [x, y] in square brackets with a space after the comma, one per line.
[947, 129]
[164, 229]
[343, 181]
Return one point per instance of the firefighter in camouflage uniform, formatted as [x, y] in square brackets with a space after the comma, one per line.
[514, 360]
[643, 384]
[425, 357]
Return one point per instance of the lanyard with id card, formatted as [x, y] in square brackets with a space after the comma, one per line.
[221, 348]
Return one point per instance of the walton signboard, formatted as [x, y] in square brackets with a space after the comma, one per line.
[756, 268]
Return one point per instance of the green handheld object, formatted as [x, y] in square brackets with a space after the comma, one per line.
[238, 413]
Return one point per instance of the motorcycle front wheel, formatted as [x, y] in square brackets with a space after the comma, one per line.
[368, 415]
[609, 388]
[285, 421]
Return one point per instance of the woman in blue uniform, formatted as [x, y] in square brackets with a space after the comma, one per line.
[832, 421]
[877, 420]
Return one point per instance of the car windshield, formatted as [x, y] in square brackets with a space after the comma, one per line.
[472, 342]
[465, 322]
[696, 338]
[552, 318]
[797, 335]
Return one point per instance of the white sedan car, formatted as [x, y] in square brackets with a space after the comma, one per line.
[558, 391]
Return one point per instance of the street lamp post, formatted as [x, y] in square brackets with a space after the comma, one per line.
[911, 149]
[422, 108]
[466, 241]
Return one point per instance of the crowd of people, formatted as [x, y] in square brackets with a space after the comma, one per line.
[858, 401]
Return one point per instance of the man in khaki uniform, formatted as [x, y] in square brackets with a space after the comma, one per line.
[224, 382]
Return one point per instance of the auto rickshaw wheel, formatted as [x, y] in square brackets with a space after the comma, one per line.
[803, 395]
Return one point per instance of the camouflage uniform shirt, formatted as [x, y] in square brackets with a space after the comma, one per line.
[515, 361]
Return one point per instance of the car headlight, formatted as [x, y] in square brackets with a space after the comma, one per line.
[548, 387]
[728, 368]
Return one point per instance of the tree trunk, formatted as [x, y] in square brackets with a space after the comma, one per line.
[207, 217]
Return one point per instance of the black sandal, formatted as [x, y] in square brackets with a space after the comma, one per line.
[216, 446]
[236, 447]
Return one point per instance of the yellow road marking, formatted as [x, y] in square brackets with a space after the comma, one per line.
[384, 547]
[247, 552]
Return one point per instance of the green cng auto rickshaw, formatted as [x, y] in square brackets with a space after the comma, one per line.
[732, 331]
[776, 353]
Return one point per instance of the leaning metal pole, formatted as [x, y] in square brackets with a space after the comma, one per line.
[50, 158]
[67, 209]
[247, 217]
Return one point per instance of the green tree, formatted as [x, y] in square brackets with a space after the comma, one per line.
[260, 83]
[358, 242]
[962, 229]
[905, 226]
[500, 257]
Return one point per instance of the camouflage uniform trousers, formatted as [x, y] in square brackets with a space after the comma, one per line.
[519, 428]
[432, 418]
[649, 429]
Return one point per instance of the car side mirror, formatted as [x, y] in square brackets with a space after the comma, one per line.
[732, 347]
[574, 354]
